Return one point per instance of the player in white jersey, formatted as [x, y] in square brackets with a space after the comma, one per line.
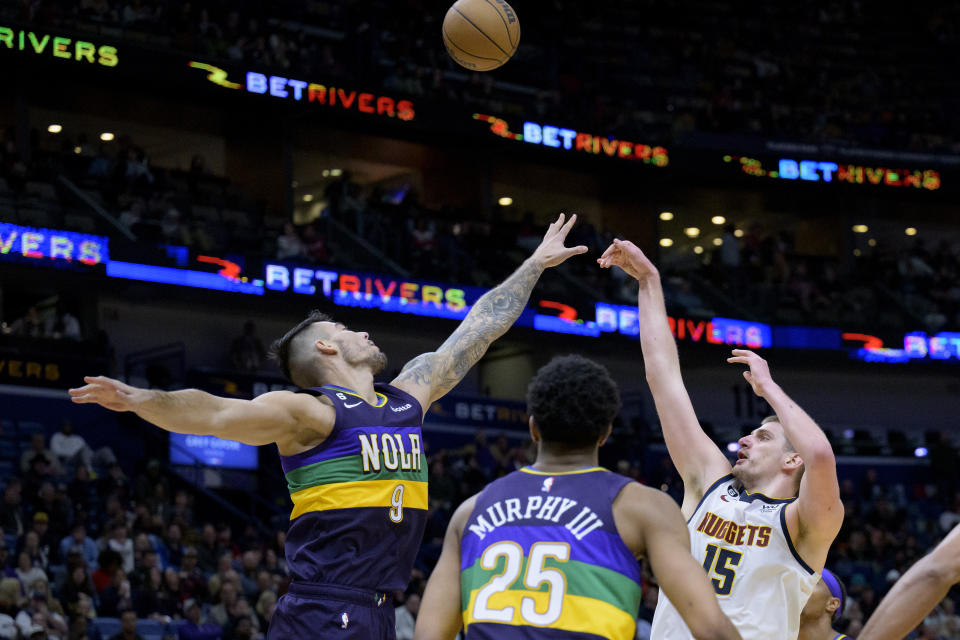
[762, 528]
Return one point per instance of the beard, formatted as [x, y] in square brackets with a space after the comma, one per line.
[373, 359]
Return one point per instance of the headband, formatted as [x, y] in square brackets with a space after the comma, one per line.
[833, 586]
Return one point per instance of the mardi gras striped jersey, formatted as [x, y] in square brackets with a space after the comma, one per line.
[761, 582]
[359, 497]
[540, 557]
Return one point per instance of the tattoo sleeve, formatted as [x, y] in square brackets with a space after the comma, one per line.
[491, 316]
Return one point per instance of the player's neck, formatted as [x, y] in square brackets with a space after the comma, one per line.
[560, 461]
[358, 380]
[779, 488]
[820, 629]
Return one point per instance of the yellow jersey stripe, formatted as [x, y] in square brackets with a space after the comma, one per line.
[533, 471]
[579, 613]
[348, 495]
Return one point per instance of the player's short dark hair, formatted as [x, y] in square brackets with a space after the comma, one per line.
[280, 349]
[573, 401]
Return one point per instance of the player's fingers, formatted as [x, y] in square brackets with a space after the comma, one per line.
[738, 360]
[743, 352]
[566, 228]
[609, 251]
[746, 374]
[559, 221]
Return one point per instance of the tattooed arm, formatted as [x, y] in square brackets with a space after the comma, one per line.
[431, 375]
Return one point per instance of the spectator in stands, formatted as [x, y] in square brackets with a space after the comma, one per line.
[62, 324]
[266, 605]
[38, 447]
[11, 511]
[69, 447]
[79, 540]
[192, 581]
[108, 562]
[47, 545]
[27, 571]
[147, 482]
[220, 612]
[28, 326]
[196, 626]
[78, 584]
[6, 571]
[116, 596]
[10, 598]
[406, 617]
[246, 351]
[314, 244]
[289, 245]
[122, 544]
[38, 473]
[36, 614]
[114, 483]
[209, 549]
[128, 626]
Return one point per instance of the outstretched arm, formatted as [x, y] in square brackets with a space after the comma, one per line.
[431, 375]
[816, 516]
[277, 416]
[698, 460]
[440, 617]
[650, 524]
[916, 593]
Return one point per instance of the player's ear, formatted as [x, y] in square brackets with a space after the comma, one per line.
[832, 605]
[326, 348]
[606, 435]
[534, 431]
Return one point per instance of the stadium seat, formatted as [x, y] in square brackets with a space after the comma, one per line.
[151, 629]
[108, 626]
[43, 190]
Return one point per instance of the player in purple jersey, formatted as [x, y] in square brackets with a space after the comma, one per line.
[351, 450]
[917, 592]
[824, 607]
[549, 552]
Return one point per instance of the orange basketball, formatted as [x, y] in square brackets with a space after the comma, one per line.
[481, 34]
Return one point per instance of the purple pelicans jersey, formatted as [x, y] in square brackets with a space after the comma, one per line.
[359, 497]
[540, 557]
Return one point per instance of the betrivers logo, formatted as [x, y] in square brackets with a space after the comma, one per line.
[401, 408]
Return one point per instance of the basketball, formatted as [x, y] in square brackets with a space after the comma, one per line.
[481, 35]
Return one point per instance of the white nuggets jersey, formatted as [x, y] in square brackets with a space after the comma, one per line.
[761, 581]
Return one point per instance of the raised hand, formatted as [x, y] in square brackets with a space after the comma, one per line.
[109, 393]
[629, 257]
[551, 251]
[759, 374]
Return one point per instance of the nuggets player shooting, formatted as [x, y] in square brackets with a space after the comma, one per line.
[351, 450]
[761, 529]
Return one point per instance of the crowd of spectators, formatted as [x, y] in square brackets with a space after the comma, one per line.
[654, 71]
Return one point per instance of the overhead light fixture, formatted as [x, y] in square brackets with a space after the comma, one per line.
[738, 233]
[78, 150]
[872, 242]
[505, 201]
[106, 136]
[55, 128]
[698, 249]
[692, 232]
[294, 184]
[860, 228]
[856, 253]
[666, 242]
[717, 242]
[308, 197]
[718, 220]
[910, 231]
[666, 216]
[335, 172]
